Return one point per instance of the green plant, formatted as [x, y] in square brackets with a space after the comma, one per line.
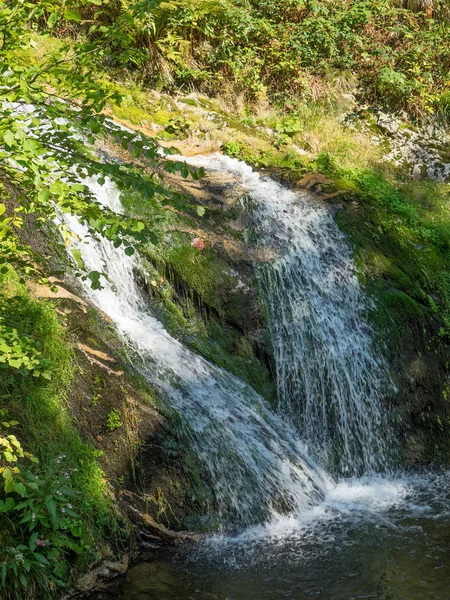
[96, 399]
[113, 421]
[37, 504]
[20, 351]
[284, 48]
[177, 126]
[49, 431]
[233, 149]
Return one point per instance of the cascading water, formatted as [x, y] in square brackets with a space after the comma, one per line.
[330, 381]
[328, 375]
[255, 461]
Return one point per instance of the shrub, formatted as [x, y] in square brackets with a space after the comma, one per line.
[37, 504]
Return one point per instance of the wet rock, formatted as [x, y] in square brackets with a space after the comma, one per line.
[98, 577]
[314, 182]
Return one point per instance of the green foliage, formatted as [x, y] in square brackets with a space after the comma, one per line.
[21, 353]
[35, 176]
[38, 504]
[277, 48]
[113, 421]
[31, 565]
[233, 149]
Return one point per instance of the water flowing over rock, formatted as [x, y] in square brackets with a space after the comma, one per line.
[331, 381]
[257, 463]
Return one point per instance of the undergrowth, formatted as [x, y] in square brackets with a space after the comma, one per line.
[397, 51]
[57, 509]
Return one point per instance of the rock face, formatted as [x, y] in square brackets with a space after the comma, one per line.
[424, 152]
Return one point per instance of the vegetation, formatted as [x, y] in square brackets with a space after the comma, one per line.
[290, 69]
[279, 50]
[113, 421]
[54, 503]
[36, 177]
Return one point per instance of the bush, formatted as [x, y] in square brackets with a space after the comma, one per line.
[44, 527]
[277, 48]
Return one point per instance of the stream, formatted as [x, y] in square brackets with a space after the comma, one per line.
[308, 499]
[387, 539]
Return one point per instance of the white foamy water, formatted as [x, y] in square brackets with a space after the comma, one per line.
[254, 460]
[402, 505]
[368, 499]
[331, 381]
[258, 466]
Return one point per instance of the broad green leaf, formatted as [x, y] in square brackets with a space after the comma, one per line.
[53, 18]
[9, 486]
[8, 504]
[94, 276]
[72, 15]
[77, 256]
[20, 489]
[30, 145]
[8, 137]
[67, 492]
[51, 507]
[138, 226]
[41, 558]
[7, 474]
[44, 195]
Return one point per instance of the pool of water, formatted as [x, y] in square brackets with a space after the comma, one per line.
[387, 539]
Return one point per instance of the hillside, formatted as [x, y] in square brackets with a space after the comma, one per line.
[348, 103]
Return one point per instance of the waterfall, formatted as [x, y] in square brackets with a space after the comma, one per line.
[329, 381]
[330, 378]
[255, 462]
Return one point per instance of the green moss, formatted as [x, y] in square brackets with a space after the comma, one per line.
[400, 307]
[129, 113]
[206, 332]
[204, 272]
[162, 117]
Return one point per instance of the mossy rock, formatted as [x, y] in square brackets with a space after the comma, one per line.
[400, 306]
